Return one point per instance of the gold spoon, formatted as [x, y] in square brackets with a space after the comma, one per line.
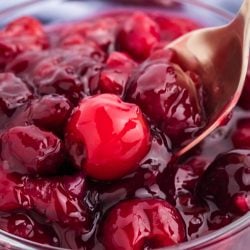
[220, 55]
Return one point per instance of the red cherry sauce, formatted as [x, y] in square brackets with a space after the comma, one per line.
[52, 70]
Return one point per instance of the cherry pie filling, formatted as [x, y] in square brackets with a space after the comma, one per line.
[91, 114]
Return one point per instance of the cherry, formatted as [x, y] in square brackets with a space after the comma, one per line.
[101, 31]
[115, 75]
[107, 137]
[139, 224]
[13, 93]
[8, 196]
[226, 181]
[138, 35]
[23, 34]
[60, 199]
[50, 112]
[172, 28]
[143, 180]
[67, 72]
[27, 149]
[23, 225]
[241, 136]
[168, 96]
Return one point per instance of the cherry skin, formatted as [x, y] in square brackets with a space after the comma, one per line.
[27, 149]
[49, 112]
[138, 36]
[107, 137]
[139, 224]
[63, 71]
[241, 136]
[115, 75]
[13, 93]
[60, 199]
[168, 96]
[226, 181]
[102, 32]
[23, 34]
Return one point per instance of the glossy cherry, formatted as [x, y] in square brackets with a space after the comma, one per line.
[168, 96]
[241, 135]
[101, 31]
[13, 93]
[139, 224]
[23, 34]
[115, 75]
[138, 35]
[226, 181]
[72, 73]
[60, 199]
[49, 112]
[27, 149]
[107, 137]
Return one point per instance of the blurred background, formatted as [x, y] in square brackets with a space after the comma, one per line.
[230, 5]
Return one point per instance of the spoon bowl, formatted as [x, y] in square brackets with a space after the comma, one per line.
[220, 56]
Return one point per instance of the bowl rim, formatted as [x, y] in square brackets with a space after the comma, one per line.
[203, 241]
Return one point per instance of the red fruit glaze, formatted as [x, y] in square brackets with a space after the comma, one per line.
[139, 224]
[115, 75]
[114, 135]
[226, 181]
[31, 150]
[13, 93]
[23, 225]
[138, 35]
[241, 136]
[50, 112]
[168, 96]
[60, 199]
[23, 34]
[101, 31]
[72, 73]
[8, 195]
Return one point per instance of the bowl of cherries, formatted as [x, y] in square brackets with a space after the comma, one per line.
[92, 110]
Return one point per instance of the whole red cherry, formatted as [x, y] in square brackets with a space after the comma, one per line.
[28, 149]
[115, 75]
[241, 136]
[13, 93]
[107, 137]
[138, 36]
[226, 181]
[23, 34]
[168, 96]
[142, 224]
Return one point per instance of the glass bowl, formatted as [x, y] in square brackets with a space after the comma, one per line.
[231, 237]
